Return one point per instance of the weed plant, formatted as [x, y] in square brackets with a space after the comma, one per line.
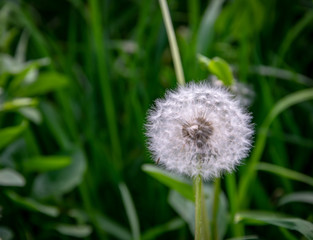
[76, 80]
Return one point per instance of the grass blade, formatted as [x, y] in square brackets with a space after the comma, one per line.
[154, 232]
[206, 29]
[283, 104]
[297, 224]
[130, 211]
[303, 197]
[284, 172]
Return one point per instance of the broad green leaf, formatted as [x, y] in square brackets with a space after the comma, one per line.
[8, 64]
[186, 209]
[156, 231]
[31, 113]
[6, 233]
[284, 172]
[301, 197]
[172, 181]
[218, 67]
[33, 205]
[46, 163]
[11, 65]
[27, 75]
[9, 177]
[18, 103]
[79, 231]
[297, 224]
[222, 70]
[112, 227]
[58, 182]
[78, 214]
[7, 135]
[46, 82]
[130, 211]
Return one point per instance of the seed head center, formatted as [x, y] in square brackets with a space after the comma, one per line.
[197, 132]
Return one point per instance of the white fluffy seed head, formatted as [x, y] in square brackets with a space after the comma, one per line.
[199, 129]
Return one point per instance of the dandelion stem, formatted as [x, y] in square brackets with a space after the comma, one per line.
[217, 190]
[173, 43]
[201, 217]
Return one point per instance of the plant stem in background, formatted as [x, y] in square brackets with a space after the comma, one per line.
[173, 43]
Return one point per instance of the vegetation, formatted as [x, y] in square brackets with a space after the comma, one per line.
[76, 80]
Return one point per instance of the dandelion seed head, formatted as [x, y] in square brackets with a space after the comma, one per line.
[199, 129]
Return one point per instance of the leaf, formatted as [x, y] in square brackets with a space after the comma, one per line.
[130, 211]
[294, 32]
[9, 177]
[79, 231]
[46, 82]
[172, 181]
[297, 224]
[206, 28]
[270, 71]
[18, 103]
[303, 197]
[218, 67]
[58, 182]
[112, 227]
[285, 173]
[46, 163]
[11, 65]
[32, 114]
[186, 208]
[155, 232]
[33, 205]
[9, 134]
[222, 70]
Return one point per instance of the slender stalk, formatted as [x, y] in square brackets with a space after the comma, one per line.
[216, 201]
[105, 86]
[173, 43]
[231, 188]
[205, 220]
[201, 218]
[198, 201]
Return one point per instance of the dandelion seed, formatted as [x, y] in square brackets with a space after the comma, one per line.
[199, 129]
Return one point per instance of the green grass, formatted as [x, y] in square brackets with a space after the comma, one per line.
[87, 72]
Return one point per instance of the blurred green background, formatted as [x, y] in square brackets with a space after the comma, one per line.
[76, 80]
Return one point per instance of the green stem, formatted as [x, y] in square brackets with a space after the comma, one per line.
[198, 200]
[216, 201]
[201, 217]
[173, 43]
[231, 188]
